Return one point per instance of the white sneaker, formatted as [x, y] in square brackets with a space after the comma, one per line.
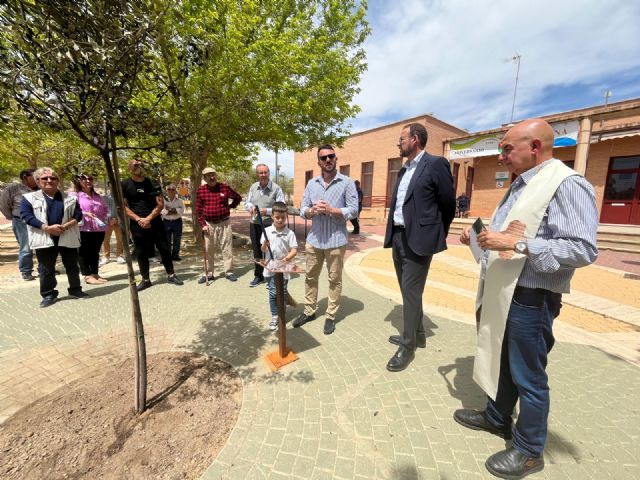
[273, 324]
[121, 260]
[103, 261]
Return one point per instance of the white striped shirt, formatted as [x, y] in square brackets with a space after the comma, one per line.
[566, 238]
[329, 231]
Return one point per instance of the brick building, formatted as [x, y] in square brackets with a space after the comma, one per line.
[372, 157]
[606, 150]
[602, 143]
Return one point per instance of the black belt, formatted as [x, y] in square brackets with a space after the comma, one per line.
[217, 221]
[17, 217]
[399, 227]
[532, 297]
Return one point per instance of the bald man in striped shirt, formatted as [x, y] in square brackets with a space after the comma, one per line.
[544, 228]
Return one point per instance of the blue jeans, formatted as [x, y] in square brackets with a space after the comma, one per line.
[527, 341]
[271, 285]
[173, 229]
[25, 256]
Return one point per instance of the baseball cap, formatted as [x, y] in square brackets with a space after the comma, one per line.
[208, 170]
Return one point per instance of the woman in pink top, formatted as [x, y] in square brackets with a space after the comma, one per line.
[94, 214]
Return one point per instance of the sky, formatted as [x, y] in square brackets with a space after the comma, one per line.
[453, 59]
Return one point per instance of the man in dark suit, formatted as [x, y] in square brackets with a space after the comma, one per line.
[422, 208]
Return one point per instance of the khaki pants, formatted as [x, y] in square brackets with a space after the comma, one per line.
[106, 244]
[220, 235]
[335, 261]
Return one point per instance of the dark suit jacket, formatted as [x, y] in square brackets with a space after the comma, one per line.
[429, 206]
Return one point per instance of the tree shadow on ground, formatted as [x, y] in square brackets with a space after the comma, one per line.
[462, 386]
[233, 337]
[395, 318]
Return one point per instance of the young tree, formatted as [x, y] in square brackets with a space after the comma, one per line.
[74, 64]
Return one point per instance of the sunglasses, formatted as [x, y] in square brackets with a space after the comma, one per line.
[49, 179]
[323, 158]
[87, 178]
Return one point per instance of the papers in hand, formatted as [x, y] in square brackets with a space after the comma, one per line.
[476, 228]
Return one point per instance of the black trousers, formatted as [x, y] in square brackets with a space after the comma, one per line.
[47, 269]
[144, 239]
[255, 232]
[356, 225]
[89, 252]
[411, 271]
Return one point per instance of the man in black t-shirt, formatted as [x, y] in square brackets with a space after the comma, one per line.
[143, 204]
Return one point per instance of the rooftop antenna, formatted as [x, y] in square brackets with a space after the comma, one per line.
[607, 94]
[515, 59]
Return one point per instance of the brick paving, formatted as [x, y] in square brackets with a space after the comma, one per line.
[336, 412]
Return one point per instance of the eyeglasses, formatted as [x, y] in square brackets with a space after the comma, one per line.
[49, 179]
[323, 158]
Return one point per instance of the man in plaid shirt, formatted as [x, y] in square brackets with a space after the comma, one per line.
[214, 201]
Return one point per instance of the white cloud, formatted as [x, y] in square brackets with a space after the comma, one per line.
[448, 57]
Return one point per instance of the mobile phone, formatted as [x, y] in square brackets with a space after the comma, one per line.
[478, 226]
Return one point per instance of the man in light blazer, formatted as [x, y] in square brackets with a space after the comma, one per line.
[422, 208]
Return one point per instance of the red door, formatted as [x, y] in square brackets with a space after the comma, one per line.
[621, 203]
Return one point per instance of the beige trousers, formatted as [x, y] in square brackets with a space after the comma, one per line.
[106, 244]
[335, 262]
[220, 235]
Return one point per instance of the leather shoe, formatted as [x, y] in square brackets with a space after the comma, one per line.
[302, 319]
[513, 464]
[421, 342]
[329, 326]
[401, 359]
[477, 420]
[256, 281]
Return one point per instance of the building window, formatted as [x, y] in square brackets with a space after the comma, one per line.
[366, 183]
[345, 170]
[308, 175]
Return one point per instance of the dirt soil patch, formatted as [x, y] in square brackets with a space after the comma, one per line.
[88, 429]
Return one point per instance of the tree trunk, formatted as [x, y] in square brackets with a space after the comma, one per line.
[113, 172]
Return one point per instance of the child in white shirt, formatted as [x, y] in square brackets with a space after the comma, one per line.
[284, 247]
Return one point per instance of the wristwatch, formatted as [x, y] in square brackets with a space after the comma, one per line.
[521, 247]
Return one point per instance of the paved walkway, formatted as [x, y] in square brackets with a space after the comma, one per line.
[337, 412]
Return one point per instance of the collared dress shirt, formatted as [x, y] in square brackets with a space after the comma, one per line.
[566, 238]
[281, 243]
[177, 204]
[266, 190]
[330, 231]
[398, 218]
